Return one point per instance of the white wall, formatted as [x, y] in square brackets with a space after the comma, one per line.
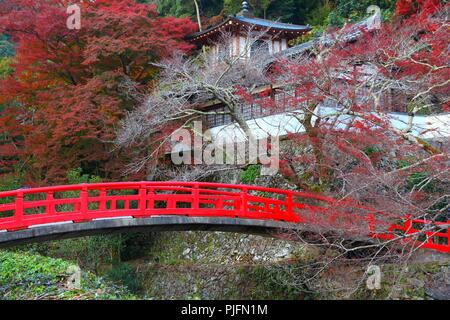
[436, 127]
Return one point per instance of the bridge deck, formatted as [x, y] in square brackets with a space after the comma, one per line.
[66, 211]
[157, 223]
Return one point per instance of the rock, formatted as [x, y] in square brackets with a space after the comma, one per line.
[267, 171]
[417, 283]
[439, 286]
[283, 253]
[186, 251]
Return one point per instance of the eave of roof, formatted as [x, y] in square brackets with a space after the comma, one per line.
[262, 23]
[369, 24]
[272, 24]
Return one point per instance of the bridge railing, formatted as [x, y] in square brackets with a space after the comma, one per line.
[26, 208]
[29, 207]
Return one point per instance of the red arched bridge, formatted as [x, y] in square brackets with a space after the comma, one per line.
[29, 215]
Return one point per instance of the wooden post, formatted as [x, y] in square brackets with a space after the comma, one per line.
[102, 206]
[83, 204]
[290, 209]
[19, 211]
[244, 204]
[196, 196]
[50, 206]
[142, 199]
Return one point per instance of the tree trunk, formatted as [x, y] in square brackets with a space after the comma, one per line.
[199, 21]
[316, 144]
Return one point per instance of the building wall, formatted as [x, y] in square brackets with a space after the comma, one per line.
[239, 46]
[280, 119]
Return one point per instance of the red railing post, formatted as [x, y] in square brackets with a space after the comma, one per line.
[244, 203]
[371, 222]
[196, 196]
[151, 198]
[83, 203]
[19, 210]
[142, 199]
[171, 203]
[290, 215]
[102, 195]
[50, 206]
[448, 237]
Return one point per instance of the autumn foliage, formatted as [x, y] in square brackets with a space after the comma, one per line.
[71, 87]
[417, 8]
[345, 91]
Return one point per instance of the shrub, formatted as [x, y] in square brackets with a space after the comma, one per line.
[122, 273]
[249, 175]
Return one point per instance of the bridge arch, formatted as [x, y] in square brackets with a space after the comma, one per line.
[68, 230]
[29, 215]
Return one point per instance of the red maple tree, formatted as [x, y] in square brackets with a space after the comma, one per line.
[70, 88]
[345, 91]
[342, 91]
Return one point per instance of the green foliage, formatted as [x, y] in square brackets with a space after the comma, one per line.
[319, 15]
[10, 182]
[293, 11]
[22, 267]
[315, 32]
[371, 150]
[186, 8]
[75, 176]
[276, 282]
[232, 6]
[249, 175]
[313, 12]
[7, 183]
[177, 8]
[355, 10]
[5, 69]
[93, 253]
[125, 275]
[25, 275]
[136, 245]
[416, 179]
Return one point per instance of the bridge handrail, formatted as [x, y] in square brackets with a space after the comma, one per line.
[123, 185]
[323, 212]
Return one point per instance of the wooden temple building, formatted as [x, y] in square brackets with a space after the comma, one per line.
[275, 39]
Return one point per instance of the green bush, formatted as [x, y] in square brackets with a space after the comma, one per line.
[275, 282]
[249, 175]
[75, 176]
[25, 275]
[94, 253]
[122, 273]
[5, 69]
[10, 182]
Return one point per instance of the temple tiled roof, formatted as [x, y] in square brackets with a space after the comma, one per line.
[272, 24]
[291, 29]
